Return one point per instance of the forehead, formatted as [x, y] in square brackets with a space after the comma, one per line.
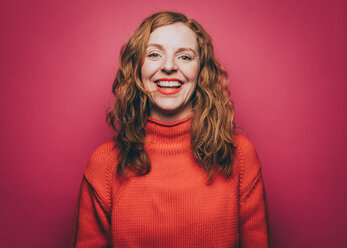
[174, 36]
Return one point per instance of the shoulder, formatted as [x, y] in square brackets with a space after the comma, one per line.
[100, 167]
[246, 159]
[101, 159]
[244, 147]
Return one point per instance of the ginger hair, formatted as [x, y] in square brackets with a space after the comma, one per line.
[212, 127]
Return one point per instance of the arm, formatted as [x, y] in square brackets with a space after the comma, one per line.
[254, 226]
[92, 226]
[91, 223]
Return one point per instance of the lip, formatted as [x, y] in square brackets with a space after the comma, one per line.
[169, 79]
[167, 91]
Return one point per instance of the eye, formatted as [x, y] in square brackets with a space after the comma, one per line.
[153, 55]
[186, 57]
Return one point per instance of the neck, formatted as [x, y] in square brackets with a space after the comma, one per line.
[168, 116]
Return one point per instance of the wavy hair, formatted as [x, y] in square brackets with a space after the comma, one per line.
[212, 126]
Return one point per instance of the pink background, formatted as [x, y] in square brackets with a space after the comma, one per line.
[287, 61]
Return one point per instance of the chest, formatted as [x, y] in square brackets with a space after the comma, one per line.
[147, 211]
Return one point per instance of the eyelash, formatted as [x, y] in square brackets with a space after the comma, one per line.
[186, 57]
[150, 55]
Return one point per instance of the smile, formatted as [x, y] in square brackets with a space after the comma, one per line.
[168, 86]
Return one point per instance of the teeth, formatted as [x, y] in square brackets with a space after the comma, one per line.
[169, 83]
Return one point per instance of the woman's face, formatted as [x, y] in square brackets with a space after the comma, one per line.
[170, 71]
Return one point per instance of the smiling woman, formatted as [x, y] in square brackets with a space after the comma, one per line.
[176, 173]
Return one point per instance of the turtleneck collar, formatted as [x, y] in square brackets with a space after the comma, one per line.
[169, 129]
[169, 136]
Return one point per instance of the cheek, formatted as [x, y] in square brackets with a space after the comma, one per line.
[148, 69]
[193, 72]
[144, 71]
[145, 75]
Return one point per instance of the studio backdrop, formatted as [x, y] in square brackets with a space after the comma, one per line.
[287, 68]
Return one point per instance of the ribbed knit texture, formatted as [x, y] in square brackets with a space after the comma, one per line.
[172, 206]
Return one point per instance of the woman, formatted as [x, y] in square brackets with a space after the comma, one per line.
[176, 173]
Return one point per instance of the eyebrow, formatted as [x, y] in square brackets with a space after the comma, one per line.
[181, 49]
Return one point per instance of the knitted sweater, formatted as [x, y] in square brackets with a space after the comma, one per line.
[172, 206]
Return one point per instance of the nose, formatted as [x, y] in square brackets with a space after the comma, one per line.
[169, 65]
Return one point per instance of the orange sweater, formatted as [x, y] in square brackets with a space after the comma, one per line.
[171, 206]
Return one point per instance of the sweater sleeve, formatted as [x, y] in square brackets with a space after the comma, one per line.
[254, 226]
[92, 214]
